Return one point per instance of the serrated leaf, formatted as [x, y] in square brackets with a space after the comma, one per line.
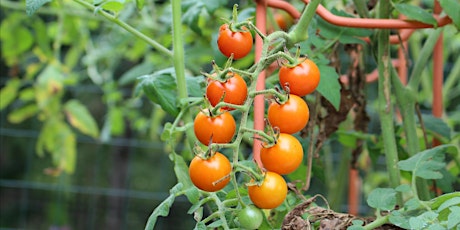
[22, 113]
[423, 220]
[451, 7]
[80, 118]
[397, 218]
[9, 92]
[163, 208]
[453, 221]
[329, 86]
[416, 13]
[436, 126]
[428, 163]
[34, 5]
[382, 199]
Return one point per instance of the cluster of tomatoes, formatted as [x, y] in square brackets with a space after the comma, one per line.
[287, 115]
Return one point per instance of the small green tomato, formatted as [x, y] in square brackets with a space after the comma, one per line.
[250, 217]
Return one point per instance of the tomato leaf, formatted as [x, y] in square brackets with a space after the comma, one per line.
[436, 126]
[80, 118]
[451, 7]
[57, 138]
[22, 113]
[329, 86]
[164, 207]
[454, 217]
[183, 177]
[9, 92]
[382, 199]
[416, 13]
[34, 5]
[160, 88]
[427, 164]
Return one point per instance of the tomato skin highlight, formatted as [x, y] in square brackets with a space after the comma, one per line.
[271, 193]
[239, 42]
[290, 117]
[220, 128]
[209, 174]
[234, 91]
[303, 79]
[284, 157]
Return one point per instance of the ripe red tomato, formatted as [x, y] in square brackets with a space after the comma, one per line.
[271, 193]
[290, 117]
[210, 174]
[221, 128]
[234, 88]
[303, 78]
[284, 157]
[239, 42]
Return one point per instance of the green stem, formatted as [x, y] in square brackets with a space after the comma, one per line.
[381, 220]
[385, 104]
[300, 32]
[179, 63]
[406, 99]
[423, 57]
[128, 28]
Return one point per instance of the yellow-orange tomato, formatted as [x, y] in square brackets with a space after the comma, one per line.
[210, 174]
[290, 117]
[302, 79]
[284, 157]
[220, 128]
[271, 193]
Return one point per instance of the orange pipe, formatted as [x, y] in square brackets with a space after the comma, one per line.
[353, 191]
[282, 5]
[259, 103]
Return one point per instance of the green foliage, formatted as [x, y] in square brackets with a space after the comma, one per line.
[164, 207]
[80, 118]
[34, 5]
[450, 8]
[415, 13]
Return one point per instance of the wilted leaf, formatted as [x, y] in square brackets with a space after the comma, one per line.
[60, 142]
[22, 113]
[329, 86]
[34, 5]
[49, 86]
[80, 118]
[415, 13]
[9, 92]
[382, 198]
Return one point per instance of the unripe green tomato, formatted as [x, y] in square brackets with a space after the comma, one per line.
[250, 217]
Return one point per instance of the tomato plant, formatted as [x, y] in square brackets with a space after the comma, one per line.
[233, 91]
[250, 217]
[238, 43]
[270, 193]
[211, 174]
[290, 116]
[284, 156]
[218, 128]
[302, 79]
